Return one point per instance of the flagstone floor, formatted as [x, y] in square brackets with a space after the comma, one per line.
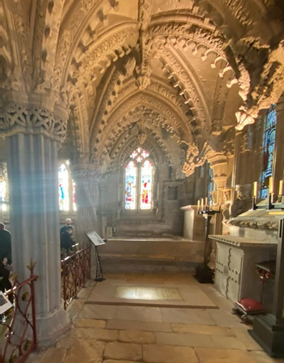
[114, 332]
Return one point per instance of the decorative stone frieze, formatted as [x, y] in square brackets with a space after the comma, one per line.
[32, 120]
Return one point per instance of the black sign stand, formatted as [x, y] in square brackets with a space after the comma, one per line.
[203, 273]
[97, 241]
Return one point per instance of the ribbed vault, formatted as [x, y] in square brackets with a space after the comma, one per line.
[190, 69]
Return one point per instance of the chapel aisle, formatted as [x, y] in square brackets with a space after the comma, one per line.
[153, 318]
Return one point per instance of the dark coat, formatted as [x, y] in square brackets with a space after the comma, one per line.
[5, 245]
[66, 241]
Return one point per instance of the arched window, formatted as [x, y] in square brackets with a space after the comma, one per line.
[66, 189]
[269, 133]
[3, 194]
[139, 181]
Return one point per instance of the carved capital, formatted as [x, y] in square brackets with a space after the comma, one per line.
[85, 171]
[18, 118]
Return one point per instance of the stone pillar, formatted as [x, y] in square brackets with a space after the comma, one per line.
[32, 135]
[87, 180]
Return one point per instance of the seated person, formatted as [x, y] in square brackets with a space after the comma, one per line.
[66, 239]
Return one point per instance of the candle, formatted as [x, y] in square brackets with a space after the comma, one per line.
[271, 185]
[255, 189]
[280, 188]
[198, 205]
[206, 202]
[202, 203]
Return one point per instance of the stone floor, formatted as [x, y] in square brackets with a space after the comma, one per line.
[153, 334]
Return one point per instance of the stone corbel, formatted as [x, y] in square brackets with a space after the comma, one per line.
[245, 117]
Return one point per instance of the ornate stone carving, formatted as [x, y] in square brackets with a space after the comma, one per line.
[242, 200]
[32, 120]
[244, 118]
[184, 82]
[143, 69]
[195, 158]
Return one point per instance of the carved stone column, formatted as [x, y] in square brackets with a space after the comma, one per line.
[32, 135]
[87, 180]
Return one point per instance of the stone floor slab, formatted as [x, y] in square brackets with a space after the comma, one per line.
[190, 316]
[138, 325]
[225, 318]
[202, 329]
[198, 340]
[134, 336]
[138, 313]
[244, 337]
[262, 357]
[94, 334]
[126, 351]
[213, 355]
[98, 312]
[53, 355]
[89, 323]
[85, 351]
[168, 354]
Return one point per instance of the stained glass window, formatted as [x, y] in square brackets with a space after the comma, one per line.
[210, 185]
[130, 185]
[74, 195]
[63, 180]
[146, 185]
[268, 150]
[138, 181]
[3, 193]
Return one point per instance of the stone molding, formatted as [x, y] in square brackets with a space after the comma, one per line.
[17, 118]
[265, 225]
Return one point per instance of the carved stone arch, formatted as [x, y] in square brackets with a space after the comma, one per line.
[84, 42]
[153, 134]
[132, 145]
[121, 88]
[116, 121]
[186, 80]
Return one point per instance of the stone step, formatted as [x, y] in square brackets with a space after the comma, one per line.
[143, 264]
[151, 254]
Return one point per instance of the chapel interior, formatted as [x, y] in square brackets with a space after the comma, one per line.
[138, 120]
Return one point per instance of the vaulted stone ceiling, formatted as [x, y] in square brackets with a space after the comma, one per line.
[178, 73]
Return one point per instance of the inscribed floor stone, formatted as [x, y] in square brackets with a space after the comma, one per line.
[144, 334]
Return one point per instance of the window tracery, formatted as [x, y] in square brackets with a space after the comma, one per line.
[139, 181]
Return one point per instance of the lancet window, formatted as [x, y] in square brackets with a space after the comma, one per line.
[269, 133]
[139, 171]
[66, 189]
[3, 194]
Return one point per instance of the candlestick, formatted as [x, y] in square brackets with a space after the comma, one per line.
[255, 189]
[271, 185]
[202, 203]
[198, 205]
[280, 193]
[206, 202]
